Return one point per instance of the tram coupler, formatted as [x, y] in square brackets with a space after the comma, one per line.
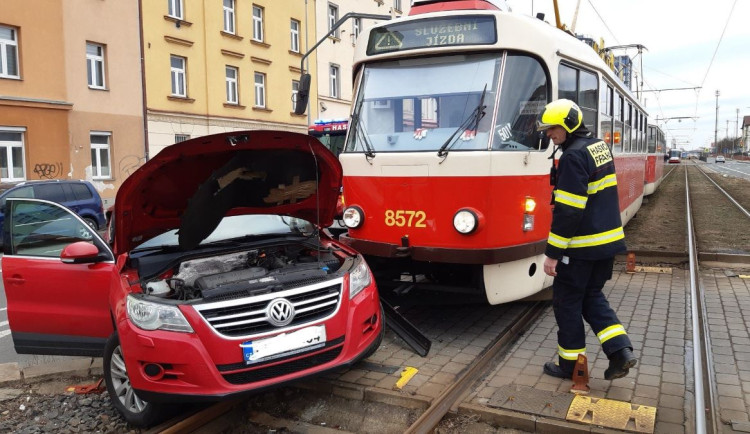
[581, 376]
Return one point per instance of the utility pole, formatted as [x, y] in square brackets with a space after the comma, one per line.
[737, 129]
[716, 124]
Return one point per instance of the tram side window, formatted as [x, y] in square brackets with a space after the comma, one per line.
[524, 94]
[582, 87]
[628, 121]
[605, 106]
[619, 106]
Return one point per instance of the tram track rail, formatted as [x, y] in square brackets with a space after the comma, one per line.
[706, 396]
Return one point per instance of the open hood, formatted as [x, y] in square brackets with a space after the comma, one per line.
[192, 185]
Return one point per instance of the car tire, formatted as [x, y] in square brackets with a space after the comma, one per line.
[134, 410]
[92, 223]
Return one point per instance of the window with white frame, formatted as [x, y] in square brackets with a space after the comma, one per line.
[397, 5]
[333, 17]
[294, 34]
[295, 92]
[178, 76]
[229, 16]
[258, 23]
[181, 137]
[8, 52]
[260, 89]
[12, 167]
[356, 28]
[100, 166]
[232, 75]
[335, 82]
[174, 9]
[95, 65]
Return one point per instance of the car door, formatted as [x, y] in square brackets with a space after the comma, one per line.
[55, 307]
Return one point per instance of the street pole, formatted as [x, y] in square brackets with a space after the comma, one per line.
[716, 124]
[736, 129]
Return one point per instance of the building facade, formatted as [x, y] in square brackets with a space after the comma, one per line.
[335, 56]
[65, 111]
[213, 66]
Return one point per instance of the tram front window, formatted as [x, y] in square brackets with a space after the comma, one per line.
[418, 105]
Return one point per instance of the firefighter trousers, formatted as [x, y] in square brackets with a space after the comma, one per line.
[577, 295]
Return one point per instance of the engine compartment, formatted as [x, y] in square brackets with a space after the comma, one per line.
[246, 273]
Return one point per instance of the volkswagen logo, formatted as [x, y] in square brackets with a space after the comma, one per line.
[280, 312]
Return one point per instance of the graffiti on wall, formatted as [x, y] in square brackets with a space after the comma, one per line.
[130, 164]
[48, 170]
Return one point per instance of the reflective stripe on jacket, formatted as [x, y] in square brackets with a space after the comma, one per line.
[586, 220]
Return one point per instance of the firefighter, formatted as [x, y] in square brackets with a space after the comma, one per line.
[586, 235]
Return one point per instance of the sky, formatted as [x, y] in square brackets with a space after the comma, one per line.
[689, 44]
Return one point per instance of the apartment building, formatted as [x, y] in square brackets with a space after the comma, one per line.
[70, 92]
[335, 56]
[222, 65]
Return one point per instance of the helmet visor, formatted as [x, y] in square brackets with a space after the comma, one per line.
[541, 126]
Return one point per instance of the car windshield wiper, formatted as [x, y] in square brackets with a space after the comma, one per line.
[473, 119]
[359, 131]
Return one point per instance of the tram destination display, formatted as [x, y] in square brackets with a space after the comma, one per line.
[434, 32]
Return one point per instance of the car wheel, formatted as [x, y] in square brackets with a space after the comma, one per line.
[92, 223]
[132, 408]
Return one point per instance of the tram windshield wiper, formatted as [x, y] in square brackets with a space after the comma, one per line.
[360, 133]
[472, 120]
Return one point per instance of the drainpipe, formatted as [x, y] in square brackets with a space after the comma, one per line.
[143, 82]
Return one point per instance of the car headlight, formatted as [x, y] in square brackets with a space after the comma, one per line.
[155, 316]
[353, 217]
[359, 278]
[465, 221]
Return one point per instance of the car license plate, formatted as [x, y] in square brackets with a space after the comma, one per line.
[286, 343]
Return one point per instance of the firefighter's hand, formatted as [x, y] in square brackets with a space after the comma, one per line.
[549, 266]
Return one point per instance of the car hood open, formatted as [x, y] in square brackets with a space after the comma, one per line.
[192, 185]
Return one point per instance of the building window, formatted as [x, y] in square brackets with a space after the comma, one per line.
[356, 28]
[181, 137]
[174, 9]
[95, 65]
[8, 52]
[397, 5]
[11, 155]
[335, 82]
[295, 92]
[232, 74]
[258, 23]
[229, 16]
[333, 17]
[178, 76]
[260, 90]
[294, 33]
[100, 168]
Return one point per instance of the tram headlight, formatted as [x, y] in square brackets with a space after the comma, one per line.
[529, 206]
[465, 221]
[353, 217]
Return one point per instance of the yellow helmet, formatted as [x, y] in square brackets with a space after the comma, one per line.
[562, 112]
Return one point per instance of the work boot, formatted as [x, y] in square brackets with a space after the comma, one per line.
[556, 371]
[620, 363]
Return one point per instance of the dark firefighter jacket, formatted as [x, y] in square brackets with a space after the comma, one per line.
[586, 220]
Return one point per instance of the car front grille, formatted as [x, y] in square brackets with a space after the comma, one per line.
[248, 317]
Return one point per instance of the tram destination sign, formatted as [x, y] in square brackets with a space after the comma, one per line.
[433, 32]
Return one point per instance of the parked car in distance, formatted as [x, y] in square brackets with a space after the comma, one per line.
[720, 159]
[78, 195]
[217, 279]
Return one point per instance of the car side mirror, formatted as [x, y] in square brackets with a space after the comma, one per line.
[81, 252]
[303, 94]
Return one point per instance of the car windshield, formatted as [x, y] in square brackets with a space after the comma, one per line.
[241, 226]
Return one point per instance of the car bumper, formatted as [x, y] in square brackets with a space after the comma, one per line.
[203, 366]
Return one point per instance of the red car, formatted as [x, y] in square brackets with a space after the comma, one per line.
[217, 280]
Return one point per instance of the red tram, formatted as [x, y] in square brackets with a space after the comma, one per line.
[445, 176]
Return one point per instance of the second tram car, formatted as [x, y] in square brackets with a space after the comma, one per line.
[657, 146]
[445, 177]
[675, 156]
